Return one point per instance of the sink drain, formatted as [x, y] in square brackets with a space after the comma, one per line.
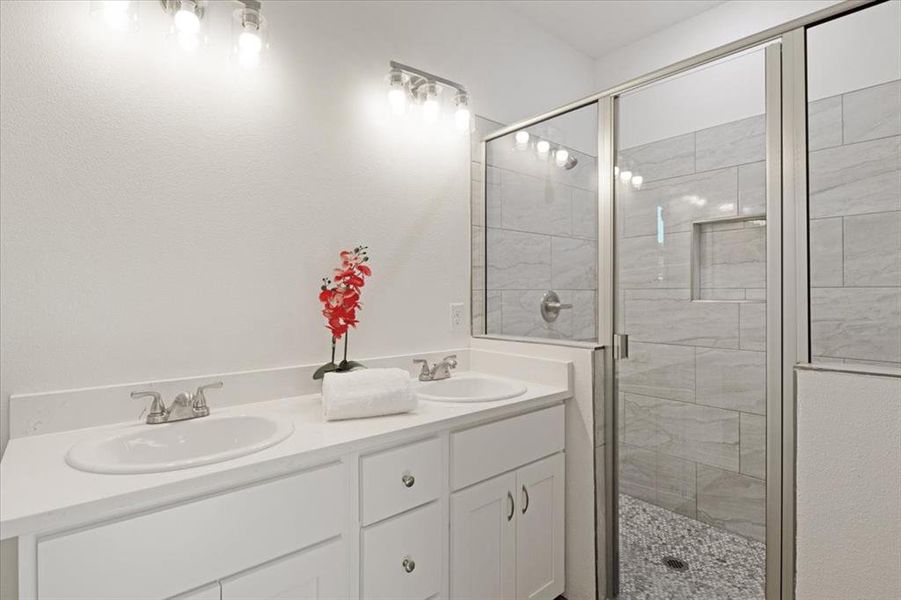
[676, 564]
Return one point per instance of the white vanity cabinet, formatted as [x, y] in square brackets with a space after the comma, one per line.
[468, 512]
[507, 533]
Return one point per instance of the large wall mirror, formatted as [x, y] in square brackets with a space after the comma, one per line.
[535, 231]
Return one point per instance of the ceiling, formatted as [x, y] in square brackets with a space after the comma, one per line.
[598, 27]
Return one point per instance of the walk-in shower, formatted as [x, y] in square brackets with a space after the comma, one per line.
[728, 217]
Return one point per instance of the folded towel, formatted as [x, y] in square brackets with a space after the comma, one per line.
[367, 393]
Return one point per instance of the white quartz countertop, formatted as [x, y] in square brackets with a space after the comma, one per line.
[40, 493]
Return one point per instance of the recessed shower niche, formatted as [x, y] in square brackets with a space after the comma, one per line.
[728, 259]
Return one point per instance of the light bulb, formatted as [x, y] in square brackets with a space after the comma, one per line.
[249, 46]
[397, 99]
[429, 97]
[522, 139]
[560, 157]
[615, 171]
[625, 176]
[186, 21]
[461, 118]
[637, 180]
[543, 147]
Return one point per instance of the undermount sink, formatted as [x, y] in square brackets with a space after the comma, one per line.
[470, 388]
[181, 445]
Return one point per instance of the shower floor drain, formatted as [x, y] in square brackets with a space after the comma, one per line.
[676, 564]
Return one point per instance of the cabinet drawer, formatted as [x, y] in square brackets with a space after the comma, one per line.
[399, 479]
[163, 553]
[485, 451]
[402, 557]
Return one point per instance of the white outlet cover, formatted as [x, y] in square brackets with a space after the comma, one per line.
[457, 317]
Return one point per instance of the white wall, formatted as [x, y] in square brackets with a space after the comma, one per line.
[165, 216]
[849, 486]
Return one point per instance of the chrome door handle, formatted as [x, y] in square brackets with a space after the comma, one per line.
[620, 345]
[525, 494]
[409, 564]
[408, 480]
[512, 506]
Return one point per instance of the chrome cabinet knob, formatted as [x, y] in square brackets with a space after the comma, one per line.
[409, 564]
[408, 480]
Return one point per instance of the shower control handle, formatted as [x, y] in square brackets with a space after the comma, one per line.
[551, 306]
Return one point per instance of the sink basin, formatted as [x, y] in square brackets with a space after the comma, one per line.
[470, 388]
[180, 445]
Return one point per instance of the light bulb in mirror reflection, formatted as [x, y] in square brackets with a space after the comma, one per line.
[430, 110]
[615, 171]
[625, 176]
[637, 181]
[522, 139]
[560, 157]
[249, 46]
[461, 118]
[543, 147]
[397, 100]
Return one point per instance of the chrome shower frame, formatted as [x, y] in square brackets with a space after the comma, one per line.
[787, 321]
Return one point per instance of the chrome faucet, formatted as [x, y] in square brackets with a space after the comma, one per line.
[185, 406]
[441, 369]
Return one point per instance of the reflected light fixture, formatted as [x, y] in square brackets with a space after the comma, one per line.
[561, 156]
[625, 176]
[118, 15]
[522, 139]
[637, 180]
[543, 147]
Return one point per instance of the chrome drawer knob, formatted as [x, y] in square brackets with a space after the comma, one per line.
[409, 564]
[408, 480]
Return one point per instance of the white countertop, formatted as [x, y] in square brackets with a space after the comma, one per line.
[41, 493]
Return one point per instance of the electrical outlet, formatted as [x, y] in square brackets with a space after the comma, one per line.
[458, 317]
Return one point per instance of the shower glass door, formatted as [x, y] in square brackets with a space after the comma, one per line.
[690, 293]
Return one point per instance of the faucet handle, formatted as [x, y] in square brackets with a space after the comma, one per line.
[158, 410]
[424, 373]
[451, 361]
[199, 403]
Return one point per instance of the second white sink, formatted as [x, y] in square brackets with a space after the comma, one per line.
[470, 387]
[180, 445]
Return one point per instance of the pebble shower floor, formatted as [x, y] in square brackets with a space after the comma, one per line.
[721, 565]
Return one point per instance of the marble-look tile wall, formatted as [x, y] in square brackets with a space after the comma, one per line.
[855, 226]
[692, 394]
[537, 222]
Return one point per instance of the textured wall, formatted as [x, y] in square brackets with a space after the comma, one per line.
[849, 486]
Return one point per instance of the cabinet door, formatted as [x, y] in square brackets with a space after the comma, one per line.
[483, 540]
[317, 573]
[539, 529]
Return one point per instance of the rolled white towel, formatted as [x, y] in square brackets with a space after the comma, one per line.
[367, 393]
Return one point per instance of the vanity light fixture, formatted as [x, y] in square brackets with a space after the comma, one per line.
[249, 34]
[118, 15]
[406, 82]
[571, 163]
[186, 16]
[462, 114]
[543, 147]
[397, 91]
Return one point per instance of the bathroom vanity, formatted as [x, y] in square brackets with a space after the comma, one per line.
[455, 500]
